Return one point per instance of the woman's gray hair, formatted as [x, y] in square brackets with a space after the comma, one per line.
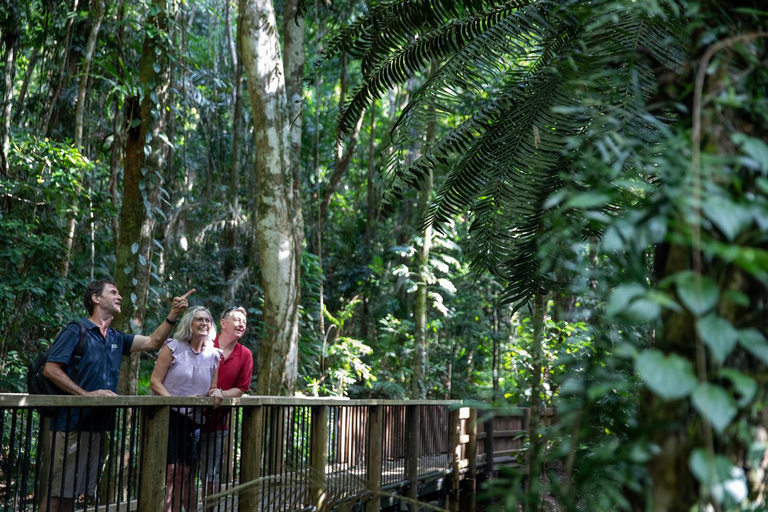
[184, 329]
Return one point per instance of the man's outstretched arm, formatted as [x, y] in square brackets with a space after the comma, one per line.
[155, 340]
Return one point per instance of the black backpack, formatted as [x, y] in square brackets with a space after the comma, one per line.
[37, 384]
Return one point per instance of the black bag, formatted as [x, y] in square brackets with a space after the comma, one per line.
[37, 384]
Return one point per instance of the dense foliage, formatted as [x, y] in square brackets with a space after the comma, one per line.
[601, 196]
[611, 153]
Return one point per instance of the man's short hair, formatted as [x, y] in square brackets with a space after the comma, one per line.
[233, 309]
[94, 288]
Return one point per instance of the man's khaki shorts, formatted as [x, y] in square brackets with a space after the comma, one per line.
[81, 466]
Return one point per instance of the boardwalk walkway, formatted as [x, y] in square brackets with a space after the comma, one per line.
[289, 453]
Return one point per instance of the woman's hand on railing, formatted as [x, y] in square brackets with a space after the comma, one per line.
[217, 395]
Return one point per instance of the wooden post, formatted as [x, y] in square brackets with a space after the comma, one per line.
[250, 462]
[413, 445]
[319, 456]
[472, 446]
[471, 460]
[454, 422]
[490, 446]
[45, 459]
[374, 456]
[154, 449]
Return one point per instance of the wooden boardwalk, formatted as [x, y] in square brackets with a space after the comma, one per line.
[290, 454]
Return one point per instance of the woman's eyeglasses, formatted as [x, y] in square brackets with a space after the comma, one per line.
[203, 320]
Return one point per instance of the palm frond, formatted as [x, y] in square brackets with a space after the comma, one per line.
[536, 81]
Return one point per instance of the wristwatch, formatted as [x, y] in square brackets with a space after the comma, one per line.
[172, 322]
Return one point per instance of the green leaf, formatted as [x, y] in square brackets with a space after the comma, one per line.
[621, 297]
[718, 334]
[726, 482]
[756, 150]
[134, 247]
[731, 218]
[670, 377]
[698, 301]
[715, 404]
[642, 310]
[587, 200]
[755, 343]
[745, 386]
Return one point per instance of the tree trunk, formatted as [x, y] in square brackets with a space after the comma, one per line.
[10, 41]
[418, 384]
[134, 245]
[238, 143]
[54, 99]
[27, 78]
[277, 227]
[536, 451]
[82, 89]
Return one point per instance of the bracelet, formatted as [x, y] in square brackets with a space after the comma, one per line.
[172, 322]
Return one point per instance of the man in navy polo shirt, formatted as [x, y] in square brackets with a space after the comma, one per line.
[77, 432]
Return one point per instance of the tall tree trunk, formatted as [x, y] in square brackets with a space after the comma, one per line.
[418, 384]
[11, 42]
[277, 224]
[536, 451]
[370, 218]
[116, 150]
[54, 98]
[238, 143]
[134, 245]
[82, 89]
[27, 79]
[342, 159]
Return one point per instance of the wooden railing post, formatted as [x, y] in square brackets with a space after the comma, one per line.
[154, 449]
[455, 430]
[472, 446]
[472, 459]
[413, 444]
[250, 457]
[490, 446]
[319, 456]
[374, 456]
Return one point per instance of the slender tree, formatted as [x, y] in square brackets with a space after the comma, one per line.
[278, 227]
[145, 118]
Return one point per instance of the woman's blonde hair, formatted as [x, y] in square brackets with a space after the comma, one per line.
[184, 329]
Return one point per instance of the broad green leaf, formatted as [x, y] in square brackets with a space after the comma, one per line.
[726, 482]
[642, 310]
[587, 200]
[737, 297]
[755, 343]
[756, 150]
[701, 300]
[715, 404]
[745, 386]
[718, 334]
[730, 218]
[621, 297]
[134, 247]
[670, 377]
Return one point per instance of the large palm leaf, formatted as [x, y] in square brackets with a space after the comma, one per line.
[532, 77]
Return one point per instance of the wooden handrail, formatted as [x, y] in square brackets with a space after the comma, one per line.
[25, 400]
[457, 433]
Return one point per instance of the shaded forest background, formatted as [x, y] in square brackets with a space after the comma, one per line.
[80, 75]
[518, 202]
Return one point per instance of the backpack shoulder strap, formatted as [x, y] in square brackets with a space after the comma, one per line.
[82, 343]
